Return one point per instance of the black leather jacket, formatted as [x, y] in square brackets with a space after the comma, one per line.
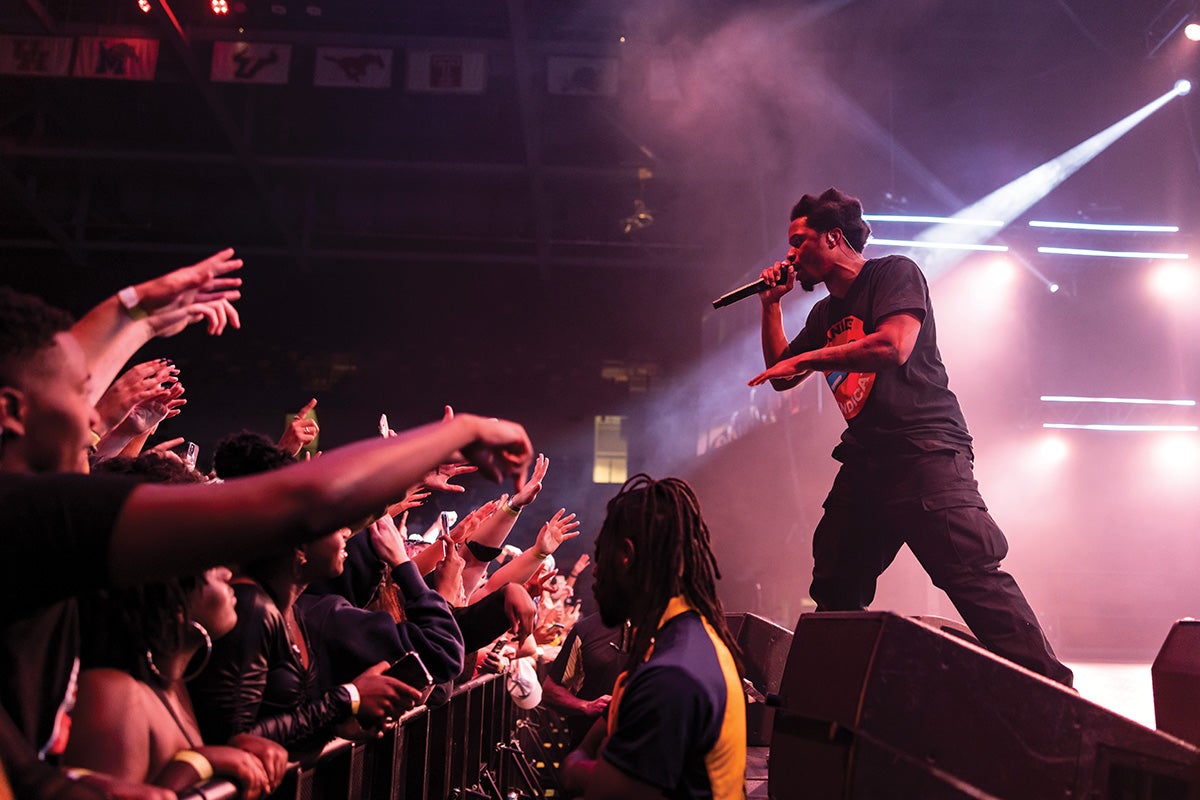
[256, 683]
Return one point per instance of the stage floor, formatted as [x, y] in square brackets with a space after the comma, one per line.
[1124, 688]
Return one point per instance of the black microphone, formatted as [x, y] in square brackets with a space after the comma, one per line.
[750, 289]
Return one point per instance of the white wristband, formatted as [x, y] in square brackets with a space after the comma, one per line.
[132, 302]
[355, 698]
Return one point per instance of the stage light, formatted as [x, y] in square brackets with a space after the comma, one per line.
[1001, 272]
[1182, 87]
[1137, 401]
[145, 6]
[1051, 451]
[983, 223]
[220, 7]
[1122, 428]
[1053, 288]
[1076, 251]
[986, 248]
[1173, 282]
[1096, 226]
[1192, 31]
[1176, 456]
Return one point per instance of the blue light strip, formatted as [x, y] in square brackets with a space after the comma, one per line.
[1056, 398]
[989, 248]
[1071, 251]
[1124, 428]
[983, 223]
[1091, 226]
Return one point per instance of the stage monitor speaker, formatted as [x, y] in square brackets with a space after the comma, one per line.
[765, 647]
[875, 705]
[1176, 679]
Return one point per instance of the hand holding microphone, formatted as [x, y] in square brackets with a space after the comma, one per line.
[779, 279]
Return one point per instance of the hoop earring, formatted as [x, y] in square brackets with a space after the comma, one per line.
[207, 650]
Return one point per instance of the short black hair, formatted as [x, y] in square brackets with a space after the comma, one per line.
[834, 209]
[28, 325]
[247, 453]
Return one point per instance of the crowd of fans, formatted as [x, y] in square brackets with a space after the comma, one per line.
[185, 625]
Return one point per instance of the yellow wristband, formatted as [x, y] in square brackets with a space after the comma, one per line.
[355, 698]
[541, 556]
[75, 773]
[510, 508]
[195, 761]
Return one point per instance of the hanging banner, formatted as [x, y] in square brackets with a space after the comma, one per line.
[586, 76]
[353, 67]
[446, 71]
[250, 62]
[116, 58]
[35, 55]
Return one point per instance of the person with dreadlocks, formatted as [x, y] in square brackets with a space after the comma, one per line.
[676, 725]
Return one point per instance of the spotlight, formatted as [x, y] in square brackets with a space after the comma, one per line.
[1173, 282]
[220, 7]
[1051, 451]
[641, 217]
[1182, 87]
[145, 6]
[1053, 288]
[1192, 31]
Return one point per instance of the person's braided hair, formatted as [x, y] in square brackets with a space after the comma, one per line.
[674, 556]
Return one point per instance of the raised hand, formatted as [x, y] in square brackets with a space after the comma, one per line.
[189, 294]
[471, 522]
[529, 492]
[414, 497]
[387, 542]
[439, 479]
[500, 449]
[136, 384]
[557, 530]
[300, 431]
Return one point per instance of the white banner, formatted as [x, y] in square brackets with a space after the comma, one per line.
[35, 55]
[116, 58]
[446, 71]
[250, 62]
[587, 76]
[353, 67]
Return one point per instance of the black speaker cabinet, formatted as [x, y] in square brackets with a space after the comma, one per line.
[1176, 678]
[875, 705]
[765, 647]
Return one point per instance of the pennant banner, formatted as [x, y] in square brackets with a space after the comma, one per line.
[587, 76]
[35, 55]
[116, 58]
[446, 71]
[249, 62]
[353, 67]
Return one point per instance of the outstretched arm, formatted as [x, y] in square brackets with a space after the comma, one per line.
[889, 345]
[112, 332]
[255, 516]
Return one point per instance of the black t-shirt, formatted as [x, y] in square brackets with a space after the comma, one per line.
[54, 537]
[900, 409]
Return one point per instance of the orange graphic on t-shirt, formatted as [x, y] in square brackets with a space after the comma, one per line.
[850, 389]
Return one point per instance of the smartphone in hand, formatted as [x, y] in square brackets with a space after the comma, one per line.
[410, 669]
[193, 453]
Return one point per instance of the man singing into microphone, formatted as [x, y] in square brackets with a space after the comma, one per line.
[906, 474]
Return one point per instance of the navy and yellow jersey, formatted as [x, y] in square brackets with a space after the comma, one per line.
[678, 721]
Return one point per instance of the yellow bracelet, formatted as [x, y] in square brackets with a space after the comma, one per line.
[355, 698]
[541, 556]
[195, 761]
[510, 508]
[75, 773]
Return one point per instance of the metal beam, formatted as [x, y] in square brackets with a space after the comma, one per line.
[241, 148]
[15, 187]
[38, 10]
[531, 129]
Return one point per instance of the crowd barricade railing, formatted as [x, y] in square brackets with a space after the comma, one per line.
[435, 753]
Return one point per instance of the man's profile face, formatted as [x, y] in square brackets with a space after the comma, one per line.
[609, 581]
[55, 412]
[806, 254]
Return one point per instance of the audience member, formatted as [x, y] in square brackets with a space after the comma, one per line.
[676, 725]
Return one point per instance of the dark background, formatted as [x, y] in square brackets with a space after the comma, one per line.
[409, 250]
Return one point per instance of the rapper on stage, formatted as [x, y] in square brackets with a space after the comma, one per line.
[906, 474]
